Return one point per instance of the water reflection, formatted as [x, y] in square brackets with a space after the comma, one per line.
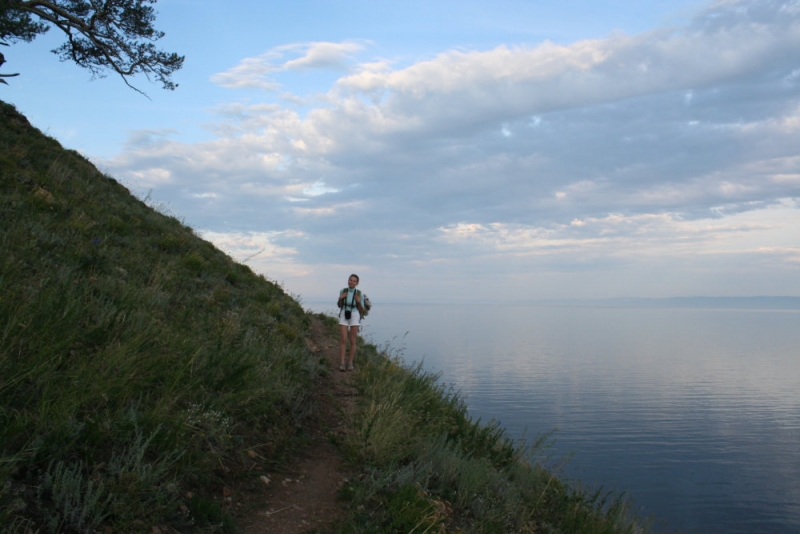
[695, 412]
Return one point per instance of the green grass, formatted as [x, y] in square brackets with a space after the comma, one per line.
[136, 360]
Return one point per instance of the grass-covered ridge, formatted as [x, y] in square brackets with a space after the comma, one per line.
[137, 362]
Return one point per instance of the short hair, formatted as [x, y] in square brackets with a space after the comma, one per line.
[352, 275]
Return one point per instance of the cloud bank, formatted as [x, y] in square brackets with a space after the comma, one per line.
[659, 164]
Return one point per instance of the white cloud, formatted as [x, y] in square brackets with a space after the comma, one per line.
[464, 86]
[244, 246]
[249, 73]
[257, 72]
[324, 56]
[151, 177]
[770, 231]
[318, 188]
[674, 145]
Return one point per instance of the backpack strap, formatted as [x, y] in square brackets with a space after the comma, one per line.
[353, 304]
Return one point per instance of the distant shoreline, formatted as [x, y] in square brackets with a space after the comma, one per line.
[739, 303]
[711, 303]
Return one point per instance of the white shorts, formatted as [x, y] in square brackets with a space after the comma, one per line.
[355, 318]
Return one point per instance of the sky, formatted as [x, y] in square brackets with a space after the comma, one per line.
[461, 151]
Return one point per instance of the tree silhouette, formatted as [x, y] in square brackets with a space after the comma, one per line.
[102, 35]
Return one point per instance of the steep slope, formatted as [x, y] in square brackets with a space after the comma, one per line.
[138, 364]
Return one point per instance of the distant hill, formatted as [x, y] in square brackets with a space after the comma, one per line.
[138, 363]
[744, 303]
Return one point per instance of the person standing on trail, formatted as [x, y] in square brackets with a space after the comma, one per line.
[351, 309]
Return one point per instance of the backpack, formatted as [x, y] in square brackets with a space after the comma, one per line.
[367, 305]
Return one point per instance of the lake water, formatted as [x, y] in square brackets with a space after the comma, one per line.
[694, 412]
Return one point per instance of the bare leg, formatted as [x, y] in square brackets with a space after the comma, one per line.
[353, 339]
[342, 342]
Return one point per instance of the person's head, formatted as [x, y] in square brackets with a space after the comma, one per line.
[352, 281]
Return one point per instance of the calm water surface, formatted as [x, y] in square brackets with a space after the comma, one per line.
[696, 413]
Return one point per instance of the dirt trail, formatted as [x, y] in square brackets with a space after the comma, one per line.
[304, 496]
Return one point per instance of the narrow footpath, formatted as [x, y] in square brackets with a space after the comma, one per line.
[303, 497]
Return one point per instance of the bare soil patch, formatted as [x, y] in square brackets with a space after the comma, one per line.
[303, 497]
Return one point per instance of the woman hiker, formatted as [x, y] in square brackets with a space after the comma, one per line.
[351, 309]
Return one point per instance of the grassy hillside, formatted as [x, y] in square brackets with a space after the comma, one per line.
[142, 370]
[138, 363]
